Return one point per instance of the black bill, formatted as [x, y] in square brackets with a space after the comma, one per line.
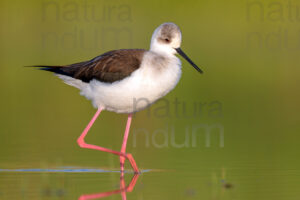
[180, 52]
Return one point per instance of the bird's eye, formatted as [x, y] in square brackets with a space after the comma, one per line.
[167, 40]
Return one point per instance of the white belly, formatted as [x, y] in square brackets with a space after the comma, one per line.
[142, 88]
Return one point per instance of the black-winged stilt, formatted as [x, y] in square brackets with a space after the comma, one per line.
[115, 80]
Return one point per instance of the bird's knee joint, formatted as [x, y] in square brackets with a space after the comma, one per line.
[81, 142]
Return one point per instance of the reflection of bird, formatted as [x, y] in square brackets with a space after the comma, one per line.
[123, 190]
[127, 80]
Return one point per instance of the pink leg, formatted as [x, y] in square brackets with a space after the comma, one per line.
[82, 144]
[123, 149]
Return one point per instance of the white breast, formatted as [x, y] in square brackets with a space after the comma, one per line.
[157, 76]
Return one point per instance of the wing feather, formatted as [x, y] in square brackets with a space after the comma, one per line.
[108, 67]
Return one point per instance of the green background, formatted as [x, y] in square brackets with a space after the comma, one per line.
[249, 52]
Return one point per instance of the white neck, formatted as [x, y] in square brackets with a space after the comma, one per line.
[161, 48]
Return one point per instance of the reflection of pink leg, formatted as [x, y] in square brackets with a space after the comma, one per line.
[123, 189]
[82, 144]
[123, 149]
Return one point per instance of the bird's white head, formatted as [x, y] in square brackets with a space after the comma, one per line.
[166, 38]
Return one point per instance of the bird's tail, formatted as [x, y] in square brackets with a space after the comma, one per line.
[54, 69]
[65, 76]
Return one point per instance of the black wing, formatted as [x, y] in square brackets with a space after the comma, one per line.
[108, 67]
